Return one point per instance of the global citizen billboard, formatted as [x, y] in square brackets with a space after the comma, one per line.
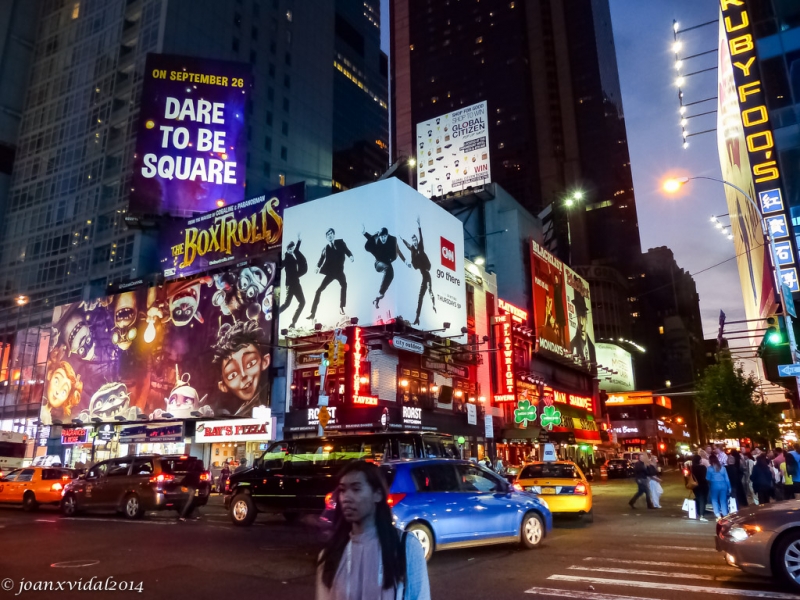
[562, 310]
[453, 151]
[376, 253]
[191, 348]
[227, 235]
[191, 145]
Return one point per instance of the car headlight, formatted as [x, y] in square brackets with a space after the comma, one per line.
[543, 503]
[741, 532]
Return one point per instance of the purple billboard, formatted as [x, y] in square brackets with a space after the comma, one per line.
[191, 145]
[228, 235]
[192, 348]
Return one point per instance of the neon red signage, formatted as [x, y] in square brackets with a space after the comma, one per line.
[517, 314]
[365, 400]
[584, 402]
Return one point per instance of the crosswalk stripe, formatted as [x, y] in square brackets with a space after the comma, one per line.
[656, 563]
[580, 594]
[677, 587]
[683, 548]
[699, 576]
[138, 522]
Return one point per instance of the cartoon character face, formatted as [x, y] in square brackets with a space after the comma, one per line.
[78, 336]
[59, 388]
[184, 304]
[252, 282]
[241, 372]
[110, 400]
[125, 315]
[184, 399]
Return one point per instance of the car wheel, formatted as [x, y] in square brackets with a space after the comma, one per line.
[532, 530]
[425, 537]
[243, 511]
[787, 560]
[291, 517]
[589, 516]
[69, 505]
[29, 502]
[133, 507]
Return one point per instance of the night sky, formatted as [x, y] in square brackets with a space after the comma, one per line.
[643, 37]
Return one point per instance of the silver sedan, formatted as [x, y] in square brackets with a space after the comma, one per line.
[764, 540]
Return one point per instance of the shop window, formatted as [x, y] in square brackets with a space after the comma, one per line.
[414, 388]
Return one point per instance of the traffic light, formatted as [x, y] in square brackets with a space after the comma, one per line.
[330, 353]
[340, 348]
[774, 335]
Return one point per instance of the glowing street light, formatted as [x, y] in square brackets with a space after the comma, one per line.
[678, 65]
[676, 47]
[21, 300]
[675, 26]
[682, 110]
[412, 162]
[679, 81]
[673, 184]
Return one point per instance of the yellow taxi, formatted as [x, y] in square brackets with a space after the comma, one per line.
[32, 486]
[561, 483]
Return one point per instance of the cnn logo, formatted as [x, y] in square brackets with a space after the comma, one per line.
[448, 254]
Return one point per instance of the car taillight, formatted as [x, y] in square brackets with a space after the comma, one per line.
[227, 485]
[162, 478]
[205, 476]
[395, 499]
[329, 502]
[56, 487]
[518, 487]
[580, 489]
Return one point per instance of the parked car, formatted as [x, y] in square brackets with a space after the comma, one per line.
[33, 486]
[451, 504]
[619, 467]
[764, 540]
[562, 483]
[293, 477]
[133, 485]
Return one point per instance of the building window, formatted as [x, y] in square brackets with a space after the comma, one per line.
[289, 16]
[287, 81]
[235, 45]
[269, 118]
[288, 59]
[273, 47]
[286, 104]
[282, 178]
[479, 39]
[284, 153]
[268, 144]
[76, 10]
[254, 33]
[256, 10]
[270, 94]
[267, 169]
[252, 57]
[661, 329]
[271, 70]
[285, 128]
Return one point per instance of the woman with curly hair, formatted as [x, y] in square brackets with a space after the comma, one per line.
[63, 393]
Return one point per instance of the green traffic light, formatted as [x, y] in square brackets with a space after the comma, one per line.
[774, 337]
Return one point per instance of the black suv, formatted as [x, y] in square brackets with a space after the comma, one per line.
[133, 485]
[293, 477]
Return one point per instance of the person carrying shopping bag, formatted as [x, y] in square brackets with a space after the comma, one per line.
[719, 486]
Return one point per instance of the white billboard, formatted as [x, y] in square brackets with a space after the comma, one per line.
[453, 151]
[234, 430]
[614, 358]
[376, 253]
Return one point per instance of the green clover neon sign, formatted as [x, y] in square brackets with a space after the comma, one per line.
[524, 412]
[550, 417]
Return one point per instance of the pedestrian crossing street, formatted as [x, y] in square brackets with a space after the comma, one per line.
[634, 572]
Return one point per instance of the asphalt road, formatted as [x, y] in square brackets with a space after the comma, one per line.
[623, 554]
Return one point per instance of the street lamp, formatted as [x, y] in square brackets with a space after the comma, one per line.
[676, 183]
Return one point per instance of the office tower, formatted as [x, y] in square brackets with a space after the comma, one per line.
[64, 231]
[360, 95]
[548, 73]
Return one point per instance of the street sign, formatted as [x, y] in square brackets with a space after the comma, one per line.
[324, 417]
[408, 345]
[788, 301]
[789, 370]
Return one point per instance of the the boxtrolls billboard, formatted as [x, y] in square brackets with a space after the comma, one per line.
[198, 347]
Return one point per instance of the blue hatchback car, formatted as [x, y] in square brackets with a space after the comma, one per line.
[450, 504]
